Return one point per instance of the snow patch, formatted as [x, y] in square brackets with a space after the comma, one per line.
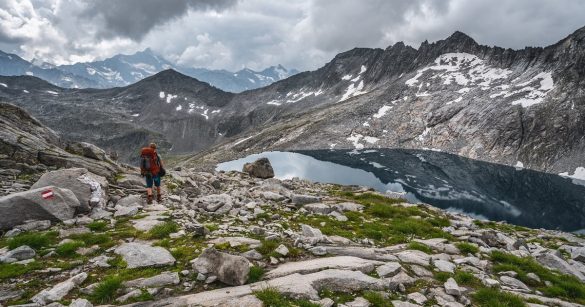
[170, 97]
[533, 95]
[578, 175]
[4, 84]
[424, 134]
[353, 91]
[135, 115]
[52, 92]
[382, 111]
[161, 94]
[346, 77]
[179, 108]
[519, 165]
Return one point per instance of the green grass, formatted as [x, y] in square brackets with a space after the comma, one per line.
[267, 247]
[442, 276]
[337, 297]
[272, 298]
[467, 279]
[489, 297]
[106, 290]
[562, 286]
[256, 274]
[467, 248]
[211, 227]
[376, 299]
[34, 240]
[11, 270]
[163, 230]
[420, 247]
[68, 249]
[98, 225]
[92, 238]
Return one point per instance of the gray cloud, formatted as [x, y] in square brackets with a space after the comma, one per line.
[305, 34]
[135, 18]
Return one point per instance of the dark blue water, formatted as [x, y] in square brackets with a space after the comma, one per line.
[480, 189]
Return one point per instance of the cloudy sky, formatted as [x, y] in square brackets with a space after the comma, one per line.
[304, 34]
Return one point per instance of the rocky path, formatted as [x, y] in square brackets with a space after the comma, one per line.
[229, 239]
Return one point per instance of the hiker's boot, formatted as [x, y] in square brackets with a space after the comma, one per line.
[149, 199]
[158, 198]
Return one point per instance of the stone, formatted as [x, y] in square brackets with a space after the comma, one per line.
[252, 255]
[534, 277]
[18, 208]
[236, 241]
[358, 302]
[163, 279]
[210, 279]
[414, 257]
[309, 231]
[338, 216]
[101, 261]
[299, 200]
[282, 250]
[130, 201]
[34, 225]
[513, 283]
[131, 181]
[389, 269]
[230, 269]
[444, 266]
[397, 303]
[555, 262]
[57, 292]
[132, 294]
[417, 298]
[490, 282]
[318, 264]
[451, 287]
[213, 202]
[87, 150]
[326, 302]
[268, 195]
[139, 255]
[90, 189]
[260, 168]
[318, 251]
[347, 206]
[80, 302]
[318, 208]
[125, 211]
[578, 254]
[20, 253]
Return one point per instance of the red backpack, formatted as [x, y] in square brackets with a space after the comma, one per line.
[149, 161]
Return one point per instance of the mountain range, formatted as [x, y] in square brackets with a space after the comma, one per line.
[518, 107]
[122, 70]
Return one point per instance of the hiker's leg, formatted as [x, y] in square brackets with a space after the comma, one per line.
[149, 183]
[157, 184]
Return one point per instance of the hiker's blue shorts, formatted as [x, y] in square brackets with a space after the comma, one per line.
[152, 179]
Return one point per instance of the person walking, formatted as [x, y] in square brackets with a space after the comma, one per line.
[151, 168]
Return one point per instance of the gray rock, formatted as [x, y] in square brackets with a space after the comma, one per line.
[309, 231]
[88, 150]
[347, 206]
[554, 262]
[417, 298]
[125, 211]
[80, 302]
[230, 269]
[318, 208]
[20, 207]
[397, 303]
[451, 287]
[414, 257]
[20, 253]
[319, 264]
[268, 195]
[282, 249]
[130, 201]
[252, 255]
[260, 168]
[139, 255]
[59, 291]
[129, 295]
[513, 283]
[163, 279]
[212, 203]
[90, 189]
[358, 302]
[444, 266]
[34, 225]
[389, 269]
[300, 200]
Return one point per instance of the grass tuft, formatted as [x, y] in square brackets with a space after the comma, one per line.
[68, 249]
[489, 297]
[33, 240]
[467, 248]
[98, 225]
[420, 247]
[106, 290]
[163, 230]
[256, 273]
[376, 299]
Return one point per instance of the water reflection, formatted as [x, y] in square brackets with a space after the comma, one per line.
[480, 189]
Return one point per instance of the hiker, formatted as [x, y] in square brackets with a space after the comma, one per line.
[151, 168]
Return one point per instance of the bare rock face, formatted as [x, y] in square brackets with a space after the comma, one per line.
[261, 168]
[229, 269]
[47, 203]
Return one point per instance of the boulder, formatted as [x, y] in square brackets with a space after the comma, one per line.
[451, 287]
[229, 269]
[414, 257]
[80, 302]
[318, 208]
[125, 211]
[131, 181]
[260, 168]
[87, 150]
[389, 269]
[299, 199]
[163, 279]
[90, 189]
[20, 253]
[319, 264]
[58, 205]
[514, 283]
[444, 266]
[130, 201]
[213, 202]
[59, 291]
[138, 255]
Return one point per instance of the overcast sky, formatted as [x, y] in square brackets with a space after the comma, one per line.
[303, 34]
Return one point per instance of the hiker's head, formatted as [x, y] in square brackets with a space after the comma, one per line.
[153, 145]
